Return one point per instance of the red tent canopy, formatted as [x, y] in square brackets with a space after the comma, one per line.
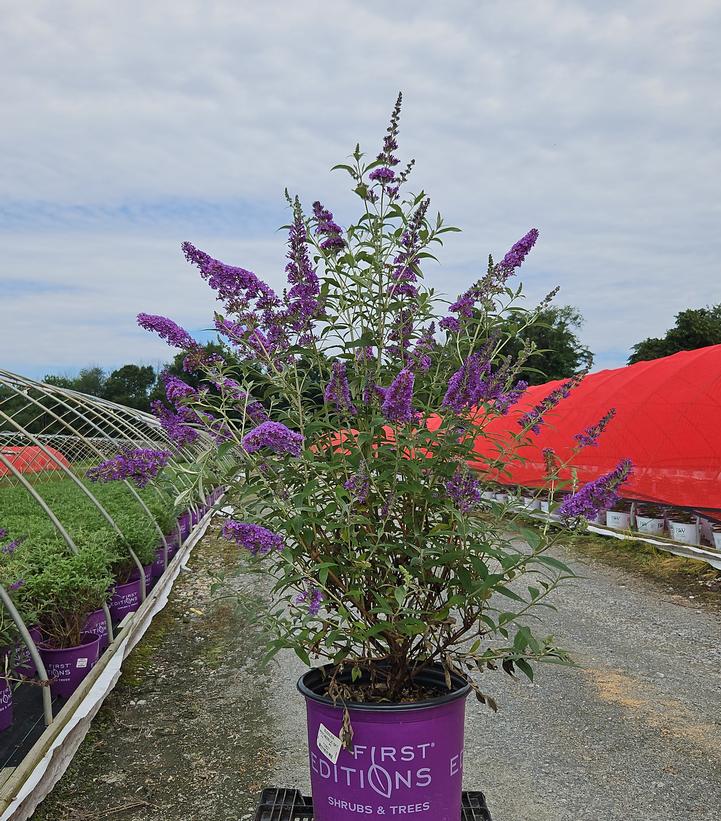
[668, 422]
[31, 459]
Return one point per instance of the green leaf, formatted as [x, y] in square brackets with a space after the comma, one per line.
[525, 668]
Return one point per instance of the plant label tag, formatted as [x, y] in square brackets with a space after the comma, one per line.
[81, 663]
[328, 743]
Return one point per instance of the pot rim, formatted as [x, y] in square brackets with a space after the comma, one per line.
[433, 674]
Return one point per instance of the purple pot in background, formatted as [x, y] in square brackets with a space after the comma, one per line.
[159, 563]
[6, 704]
[68, 666]
[95, 626]
[406, 759]
[24, 664]
[125, 599]
[173, 539]
[147, 572]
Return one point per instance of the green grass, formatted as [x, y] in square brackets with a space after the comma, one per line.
[639, 557]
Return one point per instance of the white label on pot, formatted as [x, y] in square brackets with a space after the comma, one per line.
[81, 663]
[328, 743]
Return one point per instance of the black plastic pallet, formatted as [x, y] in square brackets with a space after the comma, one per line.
[278, 804]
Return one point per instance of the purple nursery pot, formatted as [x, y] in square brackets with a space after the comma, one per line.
[147, 572]
[6, 704]
[24, 664]
[68, 666]
[95, 625]
[125, 599]
[407, 758]
[159, 563]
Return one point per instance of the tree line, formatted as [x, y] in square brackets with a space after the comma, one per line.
[558, 354]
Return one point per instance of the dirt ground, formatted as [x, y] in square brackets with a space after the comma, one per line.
[195, 729]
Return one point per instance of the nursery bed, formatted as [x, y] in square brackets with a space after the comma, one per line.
[37, 756]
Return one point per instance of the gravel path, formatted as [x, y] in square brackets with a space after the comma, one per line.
[633, 733]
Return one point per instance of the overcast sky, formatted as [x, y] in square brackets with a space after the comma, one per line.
[129, 127]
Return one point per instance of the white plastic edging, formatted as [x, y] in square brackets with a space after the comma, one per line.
[686, 550]
[48, 770]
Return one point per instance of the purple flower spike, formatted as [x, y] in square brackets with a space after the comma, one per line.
[275, 436]
[597, 495]
[404, 274]
[420, 357]
[255, 539]
[140, 465]
[326, 227]
[465, 387]
[514, 258]
[176, 425]
[302, 298]
[9, 548]
[503, 402]
[535, 417]
[337, 391]
[314, 598]
[382, 175]
[390, 141]
[450, 324]
[359, 485]
[236, 286]
[590, 436]
[176, 389]
[464, 490]
[167, 329]
[398, 402]
[16, 585]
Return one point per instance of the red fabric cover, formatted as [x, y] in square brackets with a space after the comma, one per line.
[31, 459]
[668, 422]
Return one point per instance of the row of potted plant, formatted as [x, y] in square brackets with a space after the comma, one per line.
[61, 594]
[641, 517]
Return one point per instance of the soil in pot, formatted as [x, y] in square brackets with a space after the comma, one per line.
[407, 756]
[68, 666]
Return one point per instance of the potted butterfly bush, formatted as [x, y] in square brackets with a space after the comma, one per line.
[392, 575]
[61, 589]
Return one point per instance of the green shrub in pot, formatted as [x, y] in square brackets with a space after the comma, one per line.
[164, 514]
[63, 587]
[138, 534]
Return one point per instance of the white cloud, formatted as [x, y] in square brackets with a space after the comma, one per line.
[596, 122]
